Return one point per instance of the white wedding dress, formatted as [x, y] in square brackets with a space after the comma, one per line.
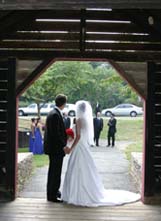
[82, 184]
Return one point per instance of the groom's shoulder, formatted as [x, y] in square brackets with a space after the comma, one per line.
[52, 113]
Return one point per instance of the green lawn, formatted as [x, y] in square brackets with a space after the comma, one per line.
[135, 147]
[128, 129]
[39, 160]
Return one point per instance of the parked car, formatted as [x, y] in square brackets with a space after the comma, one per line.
[32, 109]
[123, 110]
[70, 109]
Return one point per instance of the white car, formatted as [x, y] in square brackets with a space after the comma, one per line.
[123, 110]
[70, 109]
[32, 109]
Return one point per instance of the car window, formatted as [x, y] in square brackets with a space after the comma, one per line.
[120, 106]
[128, 106]
[52, 106]
[32, 106]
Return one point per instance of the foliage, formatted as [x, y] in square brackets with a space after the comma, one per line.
[93, 81]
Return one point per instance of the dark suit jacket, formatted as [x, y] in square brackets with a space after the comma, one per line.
[98, 125]
[66, 122]
[55, 137]
[112, 126]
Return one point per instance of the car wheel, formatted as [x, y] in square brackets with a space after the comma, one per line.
[108, 114]
[71, 113]
[133, 114]
[21, 113]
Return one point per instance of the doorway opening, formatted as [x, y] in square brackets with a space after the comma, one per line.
[96, 82]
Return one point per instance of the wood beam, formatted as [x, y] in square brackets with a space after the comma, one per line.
[140, 18]
[11, 129]
[155, 15]
[131, 82]
[123, 46]
[51, 26]
[116, 56]
[71, 26]
[77, 4]
[112, 27]
[33, 75]
[3, 14]
[58, 14]
[142, 67]
[75, 36]
[82, 31]
[149, 134]
[38, 44]
[121, 37]
[41, 36]
[14, 21]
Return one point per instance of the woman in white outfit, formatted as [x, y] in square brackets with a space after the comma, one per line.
[82, 184]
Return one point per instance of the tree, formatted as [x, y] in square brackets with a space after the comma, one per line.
[45, 88]
[90, 81]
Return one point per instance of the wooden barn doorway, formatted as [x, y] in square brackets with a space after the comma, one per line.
[33, 38]
[31, 191]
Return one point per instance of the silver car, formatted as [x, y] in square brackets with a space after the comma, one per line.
[32, 109]
[123, 110]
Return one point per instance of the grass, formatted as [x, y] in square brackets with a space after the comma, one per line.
[135, 147]
[128, 129]
[23, 150]
[39, 160]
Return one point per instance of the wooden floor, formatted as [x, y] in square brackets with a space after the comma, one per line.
[26, 209]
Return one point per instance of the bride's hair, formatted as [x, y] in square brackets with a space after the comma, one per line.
[84, 112]
[82, 107]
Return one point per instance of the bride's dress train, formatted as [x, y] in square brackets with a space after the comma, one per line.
[82, 184]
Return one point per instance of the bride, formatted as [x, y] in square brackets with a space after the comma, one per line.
[82, 184]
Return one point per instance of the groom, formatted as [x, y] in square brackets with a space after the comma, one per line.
[55, 140]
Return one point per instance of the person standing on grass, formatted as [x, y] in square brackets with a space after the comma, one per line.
[55, 140]
[111, 130]
[98, 126]
[32, 135]
[38, 144]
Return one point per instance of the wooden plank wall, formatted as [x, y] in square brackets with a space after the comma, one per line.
[7, 129]
[157, 127]
[153, 132]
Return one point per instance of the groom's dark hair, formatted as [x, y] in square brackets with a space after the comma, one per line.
[60, 100]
